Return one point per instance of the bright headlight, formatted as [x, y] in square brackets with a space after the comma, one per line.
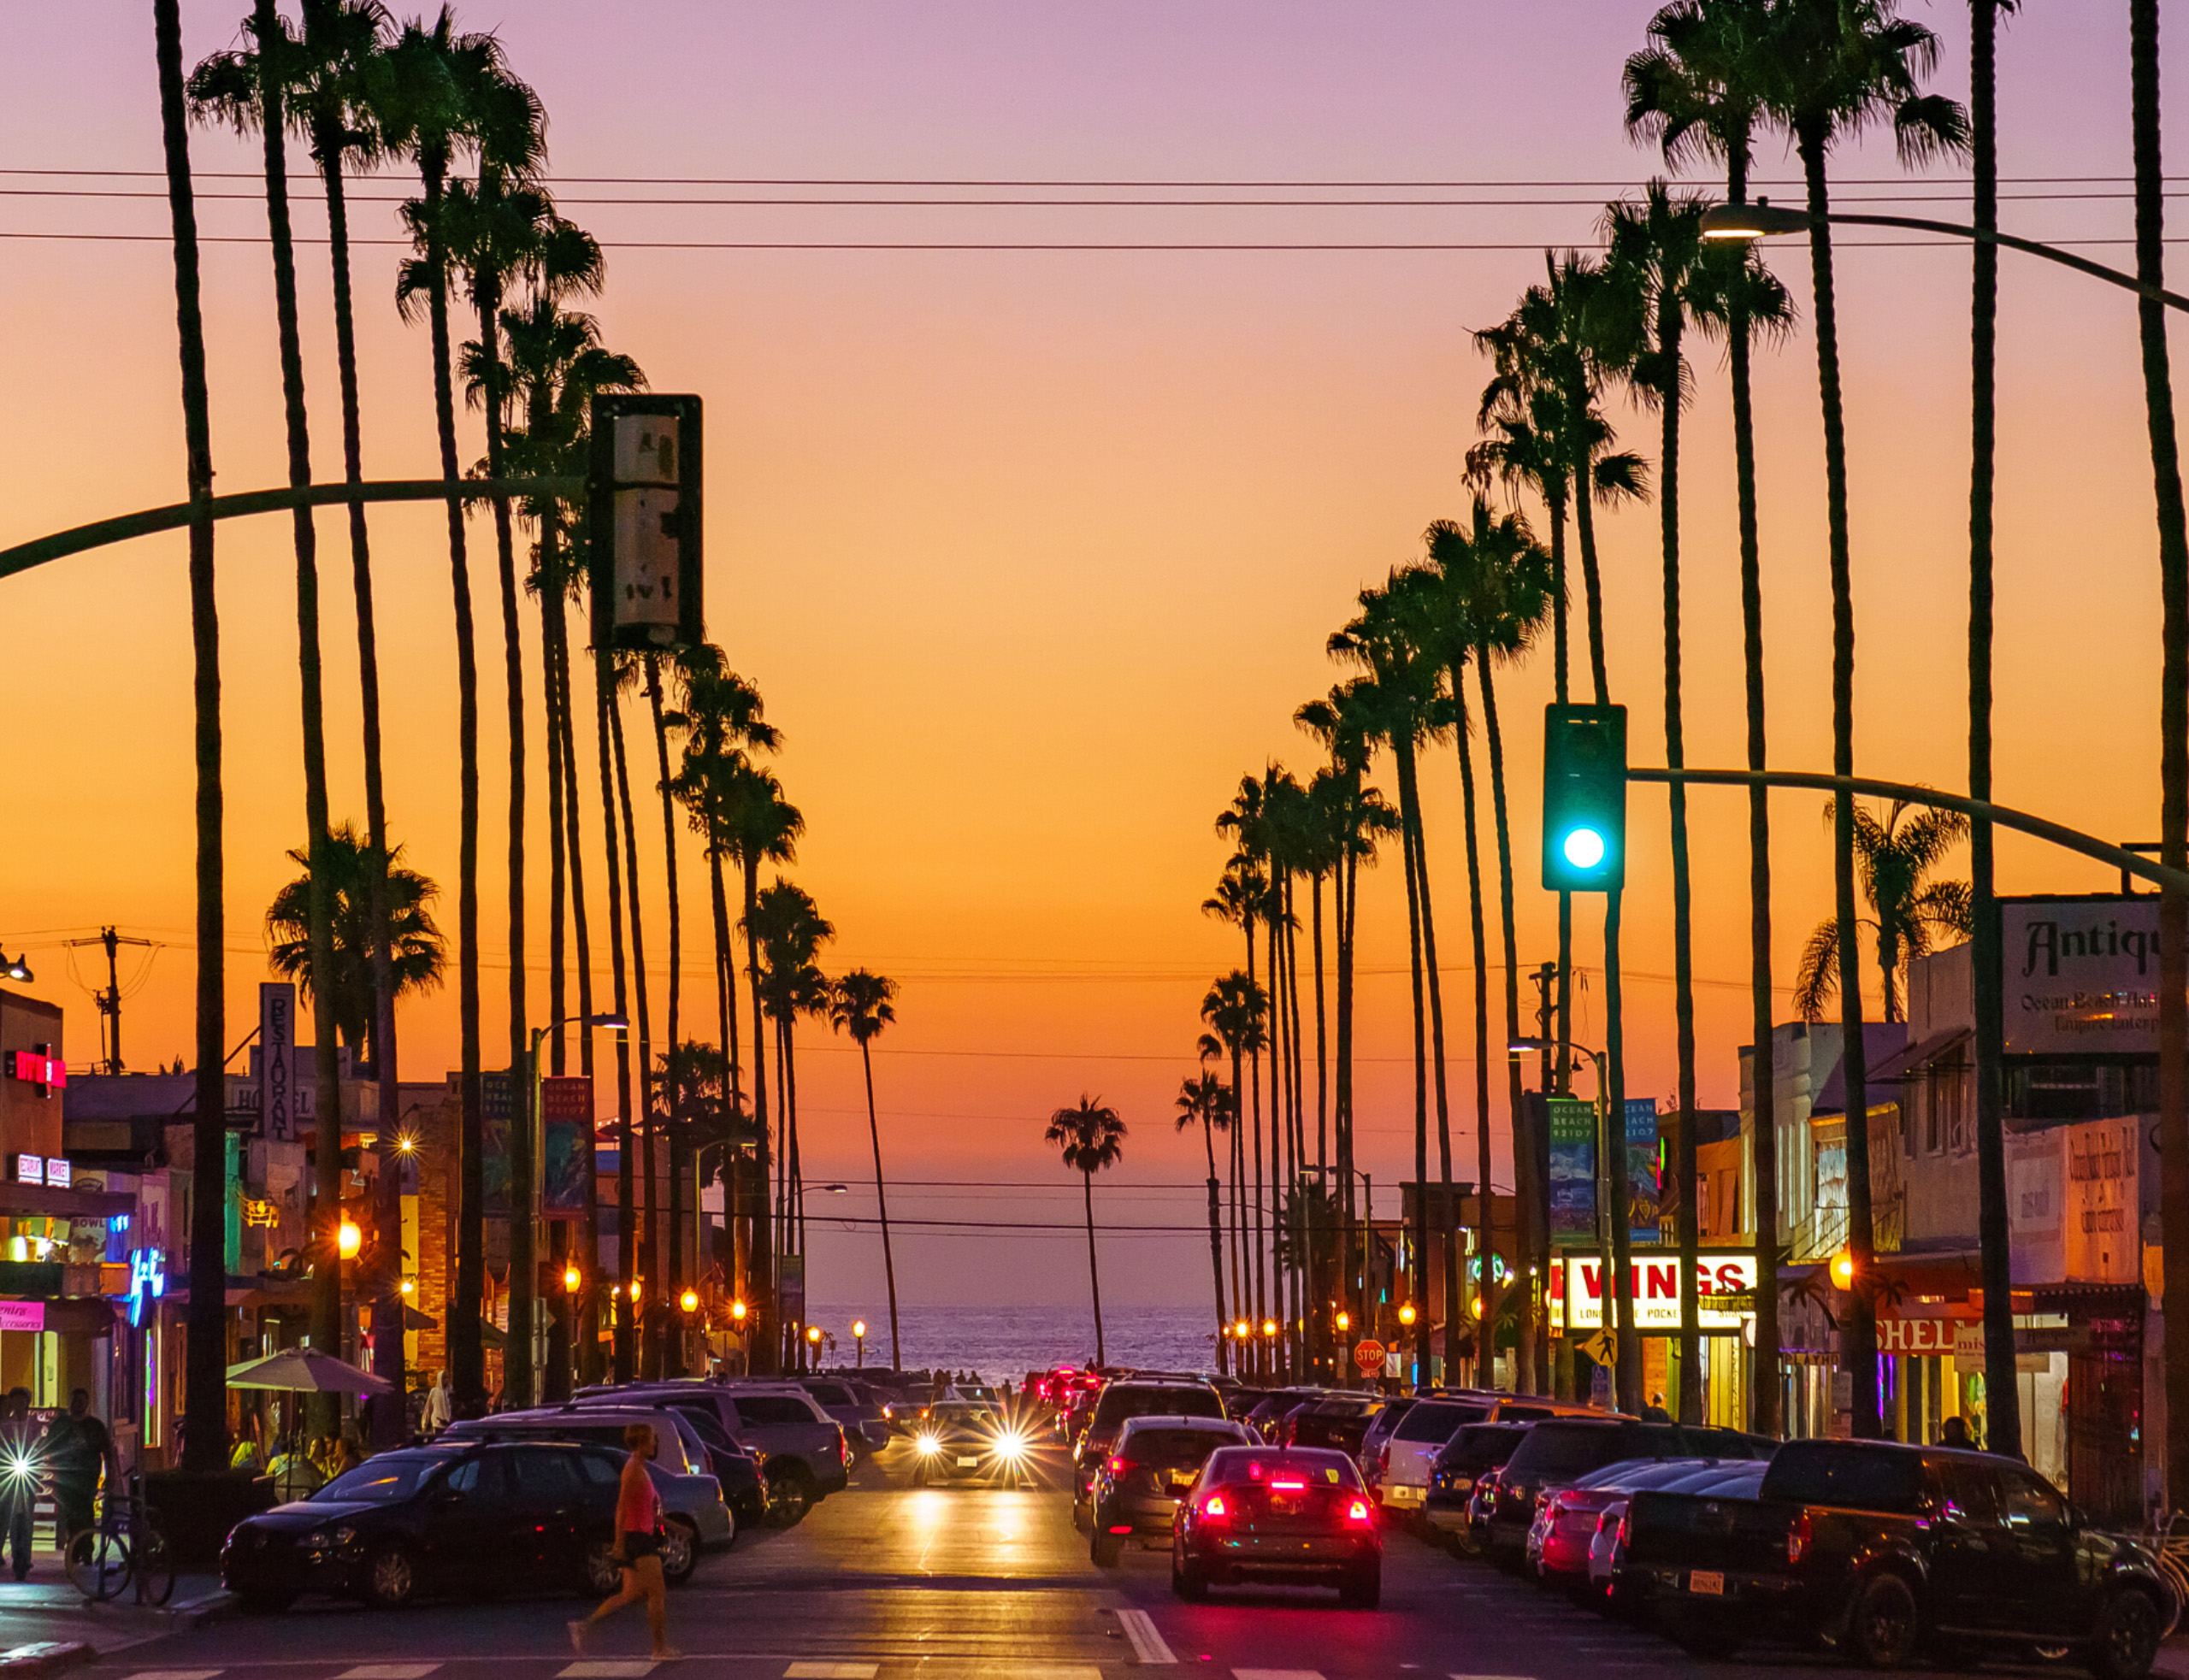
[21, 1465]
[930, 1444]
[1013, 1446]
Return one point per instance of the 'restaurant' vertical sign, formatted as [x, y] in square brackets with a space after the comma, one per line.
[277, 1059]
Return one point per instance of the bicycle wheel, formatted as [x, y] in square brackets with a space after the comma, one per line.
[155, 1565]
[2176, 1577]
[98, 1564]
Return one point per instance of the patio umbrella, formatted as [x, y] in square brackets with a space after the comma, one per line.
[306, 1371]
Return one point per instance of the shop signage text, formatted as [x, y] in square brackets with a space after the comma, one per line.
[51, 1170]
[148, 1279]
[1656, 1292]
[22, 1315]
[2081, 975]
[37, 1067]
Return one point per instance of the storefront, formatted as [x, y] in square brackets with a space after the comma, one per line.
[1724, 1316]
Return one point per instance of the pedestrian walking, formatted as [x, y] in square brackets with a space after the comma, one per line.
[638, 1549]
[77, 1447]
[20, 1452]
[441, 1405]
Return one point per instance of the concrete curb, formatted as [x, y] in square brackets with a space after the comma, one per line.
[193, 1613]
[50, 1656]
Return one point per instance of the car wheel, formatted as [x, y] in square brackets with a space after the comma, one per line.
[603, 1574]
[789, 1498]
[730, 1512]
[679, 1551]
[1884, 1625]
[1105, 1549]
[2127, 1636]
[1363, 1589]
[391, 1577]
[1187, 1583]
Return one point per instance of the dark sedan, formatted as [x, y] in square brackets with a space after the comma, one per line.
[1138, 1487]
[1277, 1514]
[969, 1440]
[469, 1517]
[1339, 1422]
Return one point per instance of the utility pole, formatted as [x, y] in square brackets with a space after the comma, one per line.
[108, 1000]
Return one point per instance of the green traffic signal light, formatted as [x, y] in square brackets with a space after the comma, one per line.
[1583, 798]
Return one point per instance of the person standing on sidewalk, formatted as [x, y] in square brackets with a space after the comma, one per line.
[21, 1471]
[638, 1549]
[77, 1448]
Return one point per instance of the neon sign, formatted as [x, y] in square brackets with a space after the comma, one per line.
[148, 1279]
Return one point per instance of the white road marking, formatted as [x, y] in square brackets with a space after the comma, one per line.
[1490, 1676]
[175, 1674]
[1276, 1674]
[388, 1671]
[608, 1669]
[830, 1672]
[1147, 1646]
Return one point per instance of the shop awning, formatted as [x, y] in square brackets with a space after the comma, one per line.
[51, 1202]
[1904, 1063]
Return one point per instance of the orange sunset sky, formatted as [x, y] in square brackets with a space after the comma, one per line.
[1033, 552]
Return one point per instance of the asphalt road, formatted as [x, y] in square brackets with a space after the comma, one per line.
[889, 1583]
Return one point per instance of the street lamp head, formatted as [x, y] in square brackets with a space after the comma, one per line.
[1742, 223]
[813, 1334]
[1843, 1268]
[1406, 1314]
[614, 1023]
[836, 1189]
[1524, 1046]
[1345, 1321]
[859, 1329]
[572, 1278]
[405, 1144]
[1269, 1326]
[689, 1301]
[348, 1239]
[1242, 1330]
[737, 1310]
[409, 1286]
[14, 968]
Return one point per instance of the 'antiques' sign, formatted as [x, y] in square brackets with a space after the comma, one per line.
[2081, 975]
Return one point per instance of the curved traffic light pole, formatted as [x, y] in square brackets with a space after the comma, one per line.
[2072, 839]
[152, 521]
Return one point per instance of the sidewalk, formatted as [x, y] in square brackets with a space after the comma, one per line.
[46, 1609]
[2173, 1656]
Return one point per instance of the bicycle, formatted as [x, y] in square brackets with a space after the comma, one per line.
[122, 1546]
[2172, 1551]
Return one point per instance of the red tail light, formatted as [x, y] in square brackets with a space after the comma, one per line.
[1358, 1512]
[1119, 1466]
[1214, 1507]
[1289, 1486]
[1799, 1538]
[1619, 1539]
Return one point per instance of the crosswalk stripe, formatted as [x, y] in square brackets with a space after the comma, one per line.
[175, 1674]
[388, 1671]
[1276, 1674]
[831, 1671]
[608, 1669]
[1148, 1644]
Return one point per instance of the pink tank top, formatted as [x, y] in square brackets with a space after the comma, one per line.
[637, 1507]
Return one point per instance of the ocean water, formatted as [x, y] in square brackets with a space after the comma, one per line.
[1003, 1343]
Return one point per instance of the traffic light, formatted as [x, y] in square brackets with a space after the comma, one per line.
[1583, 798]
[643, 519]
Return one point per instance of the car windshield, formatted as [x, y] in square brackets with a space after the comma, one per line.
[1857, 1474]
[964, 1414]
[1118, 1403]
[1234, 1465]
[1438, 1420]
[1479, 1447]
[383, 1481]
[1168, 1449]
[1557, 1449]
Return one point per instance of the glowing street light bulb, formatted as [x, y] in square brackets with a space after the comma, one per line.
[859, 1329]
[572, 1278]
[1407, 1315]
[409, 1286]
[1843, 1268]
[348, 1239]
[1269, 1326]
[689, 1301]
[1345, 1321]
[1243, 1330]
[737, 1311]
[813, 1334]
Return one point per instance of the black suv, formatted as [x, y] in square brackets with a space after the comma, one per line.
[1118, 1401]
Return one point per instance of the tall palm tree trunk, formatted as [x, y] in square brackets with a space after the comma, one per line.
[205, 1440]
[1418, 1278]
[603, 683]
[675, 1276]
[565, 725]
[1584, 526]
[1356, 1294]
[764, 1331]
[1690, 1402]
[1531, 1221]
[1216, 1246]
[1858, 1332]
[1456, 1294]
[1296, 1332]
[1094, 1271]
[1620, 1293]
[1279, 1084]
[558, 903]
[387, 1309]
[1763, 1143]
[881, 1207]
[2173, 722]
[1446, 1223]
[1318, 1305]
[1237, 1163]
[649, 1320]
[327, 1150]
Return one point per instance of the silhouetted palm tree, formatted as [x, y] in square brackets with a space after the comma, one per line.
[205, 1380]
[359, 883]
[791, 931]
[1892, 858]
[1839, 66]
[1204, 1101]
[1236, 1011]
[1093, 1140]
[860, 1004]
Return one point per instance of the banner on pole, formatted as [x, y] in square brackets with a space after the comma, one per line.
[566, 1143]
[1641, 1170]
[497, 1107]
[1573, 1171]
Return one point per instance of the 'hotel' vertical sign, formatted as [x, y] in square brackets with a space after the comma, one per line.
[277, 1059]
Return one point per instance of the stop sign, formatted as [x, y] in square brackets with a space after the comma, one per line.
[1368, 1355]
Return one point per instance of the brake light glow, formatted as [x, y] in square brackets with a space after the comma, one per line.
[1619, 1539]
[1120, 1466]
[1799, 1538]
[1289, 1486]
[1213, 1506]
[1358, 1512]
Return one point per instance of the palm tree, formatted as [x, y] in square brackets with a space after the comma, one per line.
[360, 883]
[1837, 66]
[1204, 1101]
[2174, 709]
[422, 93]
[791, 931]
[1908, 911]
[657, 712]
[1697, 91]
[1500, 579]
[860, 1004]
[1093, 1140]
[1235, 1009]
[246, 91]
[205, 1443]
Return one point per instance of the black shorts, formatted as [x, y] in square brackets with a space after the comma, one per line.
[637, 1545]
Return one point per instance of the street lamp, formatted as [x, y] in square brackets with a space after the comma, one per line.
[689, 1301]
[15, 967]
[737, 1310]
[858, 1335]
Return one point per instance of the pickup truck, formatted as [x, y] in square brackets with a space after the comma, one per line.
[1884, 1551]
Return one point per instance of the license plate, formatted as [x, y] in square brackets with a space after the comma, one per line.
[968, 1464]
[1182, 1480]
[1710, 1580]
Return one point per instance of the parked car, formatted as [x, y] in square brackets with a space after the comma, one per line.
[804, 1453]
[1274, 1513]
[1607, 1548]
[1268, 1412]
[1338, 1421]
[1478, 1450]
[1887, 1549]
[1565, 1521]
[454, 1517]
[1560, 1451]
[1379, 1431]
[1138, 1486]
[1402, 1465]
[1118, 1401]
[865, 1425]
[694, 1516]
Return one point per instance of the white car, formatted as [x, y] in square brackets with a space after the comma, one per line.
[1415, 1445]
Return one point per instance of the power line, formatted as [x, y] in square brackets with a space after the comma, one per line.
[1063, 183]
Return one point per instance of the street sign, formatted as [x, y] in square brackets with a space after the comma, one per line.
[643, 519]
[1369, 1356]
[1603, 1348]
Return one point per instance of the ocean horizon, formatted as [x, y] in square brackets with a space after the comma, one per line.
[1004, 1343]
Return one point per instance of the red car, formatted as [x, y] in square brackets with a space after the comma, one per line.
[1276, 1514]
